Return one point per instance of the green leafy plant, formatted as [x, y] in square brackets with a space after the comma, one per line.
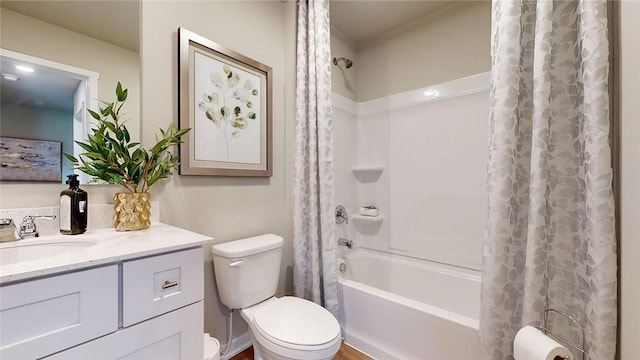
[111, 156]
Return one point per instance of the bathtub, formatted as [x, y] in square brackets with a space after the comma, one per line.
[397, 307]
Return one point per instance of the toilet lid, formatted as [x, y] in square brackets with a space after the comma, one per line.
[296, 321]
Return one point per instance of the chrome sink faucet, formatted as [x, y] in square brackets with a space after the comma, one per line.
[28, 226]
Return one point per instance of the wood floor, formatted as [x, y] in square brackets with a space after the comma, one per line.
[346, 352]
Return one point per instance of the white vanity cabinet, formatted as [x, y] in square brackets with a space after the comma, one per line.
[141, 308]
[173, 336]
[156, 285]
[40, 317]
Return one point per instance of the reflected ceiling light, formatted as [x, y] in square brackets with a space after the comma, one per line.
[10, 77]
[431, 93]
[24, 68]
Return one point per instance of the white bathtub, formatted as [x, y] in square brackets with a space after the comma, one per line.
[396, 307]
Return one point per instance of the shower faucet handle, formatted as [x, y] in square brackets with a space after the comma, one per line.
[345, 242]
[341, 215]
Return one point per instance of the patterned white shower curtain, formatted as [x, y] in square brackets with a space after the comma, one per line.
[314, 245]
[550, 240]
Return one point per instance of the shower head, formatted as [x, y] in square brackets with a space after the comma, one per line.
[347, 63]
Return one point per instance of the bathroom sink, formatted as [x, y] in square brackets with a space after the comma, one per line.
[38, 248]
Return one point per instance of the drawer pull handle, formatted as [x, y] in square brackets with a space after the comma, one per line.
[169, 284]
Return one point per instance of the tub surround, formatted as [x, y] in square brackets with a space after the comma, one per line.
[111, 247]
[418, 192]
[399, 299]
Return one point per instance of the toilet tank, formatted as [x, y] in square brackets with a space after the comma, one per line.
[247, 270]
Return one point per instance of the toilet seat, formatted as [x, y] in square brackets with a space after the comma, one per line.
[296, 323]
[286, 348]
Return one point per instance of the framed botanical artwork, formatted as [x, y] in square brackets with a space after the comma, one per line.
[225, 98]
[30, 160]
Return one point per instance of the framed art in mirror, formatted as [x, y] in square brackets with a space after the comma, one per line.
[225, 98]
[30, 160]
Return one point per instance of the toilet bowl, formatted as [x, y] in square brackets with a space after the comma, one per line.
[291, 328]
[286, 328]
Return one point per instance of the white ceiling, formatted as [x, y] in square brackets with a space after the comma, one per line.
[117, 22]
[362, 20]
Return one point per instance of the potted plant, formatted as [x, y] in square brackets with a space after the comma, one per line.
[112, 157]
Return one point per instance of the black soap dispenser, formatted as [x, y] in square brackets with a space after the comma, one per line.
[73, 208]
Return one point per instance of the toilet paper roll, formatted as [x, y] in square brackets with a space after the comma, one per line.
[531, 344]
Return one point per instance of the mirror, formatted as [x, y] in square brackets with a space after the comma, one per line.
[78, 51]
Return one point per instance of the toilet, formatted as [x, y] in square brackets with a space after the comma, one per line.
[285, 328]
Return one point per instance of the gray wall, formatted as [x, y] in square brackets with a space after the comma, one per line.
[451, 43]
[226, 208]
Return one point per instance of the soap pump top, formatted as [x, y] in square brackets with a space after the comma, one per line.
[72, 181]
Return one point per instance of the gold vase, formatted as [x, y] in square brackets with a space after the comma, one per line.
[132, 211]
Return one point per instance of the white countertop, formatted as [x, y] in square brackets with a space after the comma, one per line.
[111, 247]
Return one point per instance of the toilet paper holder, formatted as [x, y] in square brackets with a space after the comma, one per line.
[545, 329]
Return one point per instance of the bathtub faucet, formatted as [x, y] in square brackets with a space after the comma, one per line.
[345, 242]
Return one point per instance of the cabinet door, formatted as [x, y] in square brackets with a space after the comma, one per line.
[173, 336]
[159, 284]
[40, 317]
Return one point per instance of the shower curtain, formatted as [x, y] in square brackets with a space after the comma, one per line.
[550, 239]
[314, 246]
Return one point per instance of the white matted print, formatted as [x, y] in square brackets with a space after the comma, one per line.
[225, 98]
[227, 116]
